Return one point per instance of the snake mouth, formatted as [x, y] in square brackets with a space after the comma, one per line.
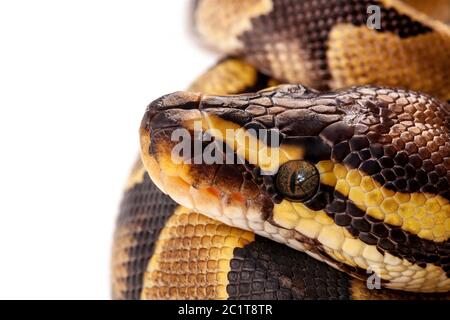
[175, 145]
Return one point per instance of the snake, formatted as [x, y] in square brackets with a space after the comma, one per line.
[317, 164]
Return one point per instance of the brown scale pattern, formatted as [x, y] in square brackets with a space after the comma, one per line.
[399, 138]
[405, 147]
[191, 259]
[402, 141]
[309, 23]
[265, 270]
[405, 144]
[143, 213]
[406, 159]
[386, 237]
[326, 44]
[194, 257]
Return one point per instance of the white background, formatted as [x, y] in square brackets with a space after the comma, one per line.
[75, 78]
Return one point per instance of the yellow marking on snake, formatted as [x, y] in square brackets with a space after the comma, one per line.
[246, 145]
[230, 76]
[136, 177]
[192, 258]
[425, 215]
[343, 247]
[149, 162]
[233, 19]
[426, 68]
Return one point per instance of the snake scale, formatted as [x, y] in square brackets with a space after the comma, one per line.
[339, 159]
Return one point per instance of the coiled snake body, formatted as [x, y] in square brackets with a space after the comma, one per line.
[355, 192]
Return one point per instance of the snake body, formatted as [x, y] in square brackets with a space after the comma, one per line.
[357, 183]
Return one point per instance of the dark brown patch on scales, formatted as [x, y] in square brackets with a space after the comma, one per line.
[308, 24]
[266, 270]
[402, 142]
[143, 213]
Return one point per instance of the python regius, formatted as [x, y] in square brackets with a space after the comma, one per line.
[355, 191]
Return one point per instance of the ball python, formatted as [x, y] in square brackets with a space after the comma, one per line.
[336, 172]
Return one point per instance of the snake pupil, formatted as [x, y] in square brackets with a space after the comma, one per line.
[297, 180]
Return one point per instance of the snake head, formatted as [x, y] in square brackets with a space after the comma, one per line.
[335, 174]
[233, 157]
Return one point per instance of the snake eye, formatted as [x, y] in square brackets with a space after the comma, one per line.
[297, 180]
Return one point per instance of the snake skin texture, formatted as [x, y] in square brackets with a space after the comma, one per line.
[144, 209]
[199, 258]
[380, 157]
[327, 44]
[269, 271]
[231, 75]
[143, 213]
[383, 199]
[438, 9]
